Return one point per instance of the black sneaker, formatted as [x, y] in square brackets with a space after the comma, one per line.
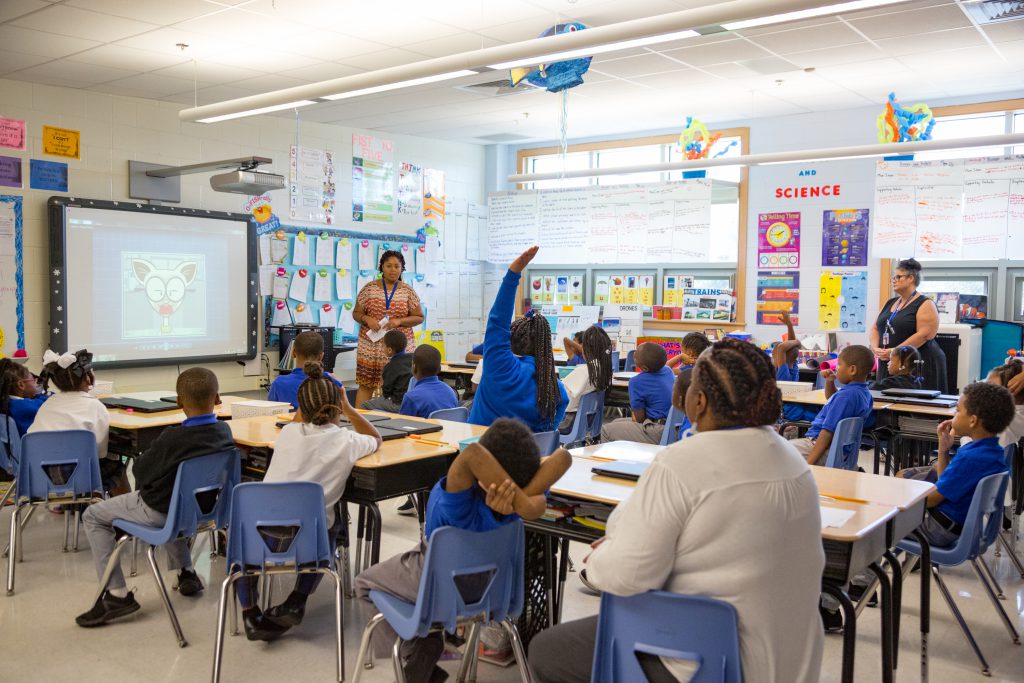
[856, 594]
[589, 587]
[408, 508]
[259, 627]
[831, 620]
[107, 608]
[189, 583]
[290, 612]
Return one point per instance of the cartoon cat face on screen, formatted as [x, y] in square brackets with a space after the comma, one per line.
[165, 287]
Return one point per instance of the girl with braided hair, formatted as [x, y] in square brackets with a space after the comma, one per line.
[704, 507]
[593, 374]
[317, 449]
[519, 378]
[20, 397]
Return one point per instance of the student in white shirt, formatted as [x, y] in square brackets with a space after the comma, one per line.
[730, 513]
[317, 449]
[73, 407]
[594, 374]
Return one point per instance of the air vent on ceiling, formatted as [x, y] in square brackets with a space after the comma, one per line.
[766, 66]
[993, 11]
[497, 88]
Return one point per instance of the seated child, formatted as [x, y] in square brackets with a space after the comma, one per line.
[574, 349]
[785, 358]
[491, 483]
[692, 346]
[852, 400]
[650, 398]
[984, 410]
[430, 393]
[155, 471]
[20, 396]
[316, 449]
[904, 373]
[595, 374]
[75, 408]
[397, 374]
[308, 347]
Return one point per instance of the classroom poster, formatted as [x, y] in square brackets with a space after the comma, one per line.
[777, 291]
[433, 193]
[12, 321]
[10, 172]
[947, 304]
[311, 185]
[576, 289]
[672, 289]
[645, 290]
[778, 240]
[602, 284]
[12, 133]
[617, 289]
[62, 142]
[844, 238]
[708, 304]
[47, 175]
[843, 300]
[410, 189]
[673, 345]
[373, 179]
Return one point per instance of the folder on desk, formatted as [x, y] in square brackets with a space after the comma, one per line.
[621, 469]
[138, 405]
[408, 427]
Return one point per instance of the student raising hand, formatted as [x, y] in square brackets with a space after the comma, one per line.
[523, 259]
[1015, 385]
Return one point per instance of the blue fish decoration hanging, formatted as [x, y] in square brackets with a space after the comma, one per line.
[556, 76]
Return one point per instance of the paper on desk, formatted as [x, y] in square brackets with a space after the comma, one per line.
[834, 517]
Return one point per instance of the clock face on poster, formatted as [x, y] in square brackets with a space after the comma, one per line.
[779, 234]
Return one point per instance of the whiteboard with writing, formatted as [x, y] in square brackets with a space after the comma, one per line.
[949, 209]
[655, 223]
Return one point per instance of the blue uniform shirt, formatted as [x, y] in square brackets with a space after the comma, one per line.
[464, 510]
[576, 360]
[23, 411]
[853, 400]
[478, 349]
[428, 395]
[788, 373]
[286, 387]
[973, 462]
[652, 393]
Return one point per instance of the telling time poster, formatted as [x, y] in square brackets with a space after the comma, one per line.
[778, 240]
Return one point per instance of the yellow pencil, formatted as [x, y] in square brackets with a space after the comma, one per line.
[420, 439]
[843, 498]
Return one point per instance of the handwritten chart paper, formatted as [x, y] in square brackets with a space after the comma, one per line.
[373, 179]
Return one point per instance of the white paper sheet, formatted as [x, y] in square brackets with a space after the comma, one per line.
[322, 286]
[281, 314]
[366, 252]
[363, 280]
[300, 285]
[834, 517]
[343, 284]
[377, 335]
[345, 321]
[280, 290]
[279, 248]
[344, 253]
[264, 241]
[324, 251]
[301, 314]
[300, 250]
[267, 279]
[328, 316]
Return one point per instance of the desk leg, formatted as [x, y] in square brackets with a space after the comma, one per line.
[849, 628]
[549, 578]
[926, 600]
[360, 526]
[897, 603]
[563, 570]
[421, 510]
[886, 615]
[373, 535]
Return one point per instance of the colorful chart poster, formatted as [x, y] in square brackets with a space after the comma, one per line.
[433, 193]
[12, 133]
[844, 238]
[10, 172]
[12, 296]
[311, 187]
[778, 240]
[48, 175]
[410, 189]
[708, 304]
[672, 289]
[843, 302]
[62, 142]
[777, 291]
[373, 179]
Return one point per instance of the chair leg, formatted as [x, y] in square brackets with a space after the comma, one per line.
[21, 536]
[135, 558]
[517, 647]
[396, 661]
[360, 526]
[213, 543]
[1010, 552]
[234, 612]
[959, 619]
[346, 568]
[115, 558]
[162, 588]
[218, 652]
[364, 660]
[991, 579]
[67, 528]
[338, 615]
[78, 527]
[981, 572]
[471, 650]
[13, 554]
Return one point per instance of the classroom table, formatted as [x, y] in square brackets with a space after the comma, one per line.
[131, 433]
[460, 374]
[854, 547]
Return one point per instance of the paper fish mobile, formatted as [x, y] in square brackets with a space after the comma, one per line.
[556, 76]
[905, 124]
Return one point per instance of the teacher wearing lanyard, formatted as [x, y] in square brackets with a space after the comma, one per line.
[384, 304]
[910, 319]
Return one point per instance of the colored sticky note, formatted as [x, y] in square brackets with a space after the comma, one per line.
[10, 172]
[48, 175]
[12, 133]
[62, 142]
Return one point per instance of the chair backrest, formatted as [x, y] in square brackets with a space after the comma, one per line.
[993, 523]
[589, 416]
[985, 504]
[468, 573]
[456, 414]
[201, 498]
[844, 450]
[278, 524]
[615, 361]
[59, 465]
[630, 363]
[687, 627]
[10, 445]
[676, 425]
[547, 442]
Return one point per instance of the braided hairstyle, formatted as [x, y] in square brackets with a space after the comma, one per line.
[69, 378]
[10, 374]
[319, 396]
[739, 382]
[391, 253]
[1007, 371]
[909, 358]
[531, 336]
[597, 350]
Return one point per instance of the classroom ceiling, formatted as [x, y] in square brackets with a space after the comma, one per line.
[923, 50]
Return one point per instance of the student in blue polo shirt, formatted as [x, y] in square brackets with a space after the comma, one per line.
[430, 393]
[852, 400]
[574, 350]
[785, 357]
[476, 354]
[650, 398]
[308, 348]
[491, 483]
[692, 346]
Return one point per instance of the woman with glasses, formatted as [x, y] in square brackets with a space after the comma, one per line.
[910, 319]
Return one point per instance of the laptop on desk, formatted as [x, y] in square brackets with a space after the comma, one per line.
[911, 393]
[621, 469]
[407, 427]
[138, 405]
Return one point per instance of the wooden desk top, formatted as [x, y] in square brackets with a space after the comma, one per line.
[619, 450]
[262, 432]
[924, 411]
[122, 419]
[901, 494]
[456, 370]
[817, 398]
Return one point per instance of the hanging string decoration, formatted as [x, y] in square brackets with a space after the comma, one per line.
[904, 124]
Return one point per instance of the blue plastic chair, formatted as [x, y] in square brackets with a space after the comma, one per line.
[844, 450]
[278, 528]
[56, 468]
[676, 425]
[1016, 490]
[453, 555]
[630, 365]
[589, 417]
[457, 414]
[10, 452]
[200, 501]
[547, 442]
[615, 361]
[984, 518]
[687, 627]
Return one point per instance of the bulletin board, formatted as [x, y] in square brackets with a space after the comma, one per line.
[12, 297]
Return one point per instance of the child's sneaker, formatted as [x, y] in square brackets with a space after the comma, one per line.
[107, 608]
[189, 583]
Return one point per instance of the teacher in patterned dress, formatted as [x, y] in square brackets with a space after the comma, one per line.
[910, 319]
[384, 304]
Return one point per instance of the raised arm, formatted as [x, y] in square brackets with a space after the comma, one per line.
[476, 464]
[790, 332]
[498, 335]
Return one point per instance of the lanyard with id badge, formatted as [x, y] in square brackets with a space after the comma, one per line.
[888, 323]
[377, 335]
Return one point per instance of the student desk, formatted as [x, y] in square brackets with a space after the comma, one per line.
[850, 549]
[132, 433]
[460, 375]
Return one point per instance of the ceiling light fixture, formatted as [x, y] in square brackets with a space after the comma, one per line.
[838, 8]
[596, 50]
[254, 112]
[400, 84]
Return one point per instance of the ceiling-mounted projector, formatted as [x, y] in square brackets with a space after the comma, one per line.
[246, 182]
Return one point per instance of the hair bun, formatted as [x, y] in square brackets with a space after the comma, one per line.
[313, 369]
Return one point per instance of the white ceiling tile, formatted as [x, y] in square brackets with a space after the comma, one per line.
[161, 13]
[11, 9]
[83, 74]
[718, 52]
[967, 60]
[219, 93]
[156, 85]
[932, 42]
[634, 66]
[450, 45]
[614, 12]
[1005, 32]
[118, 56]
[788, 26]
[236, 26]
[208, 73]
[669, 82]
[31, 42]
[729, 70]
[515, 31]
[398, 30]
[472, 15]
[840, 55]
[906, 23]
[15, 61]
[383, 59]
[166, 40]
[323, 71]
[260, 60]
[44, 80]
[800, 40]
[79, 23]
[267, 82]
[333, 46]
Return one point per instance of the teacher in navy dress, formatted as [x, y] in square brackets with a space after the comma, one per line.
[910, 319]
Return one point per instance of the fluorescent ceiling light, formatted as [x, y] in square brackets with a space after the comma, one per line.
[261, 110]
[809, 13]
[401, 84]
[599, 49]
